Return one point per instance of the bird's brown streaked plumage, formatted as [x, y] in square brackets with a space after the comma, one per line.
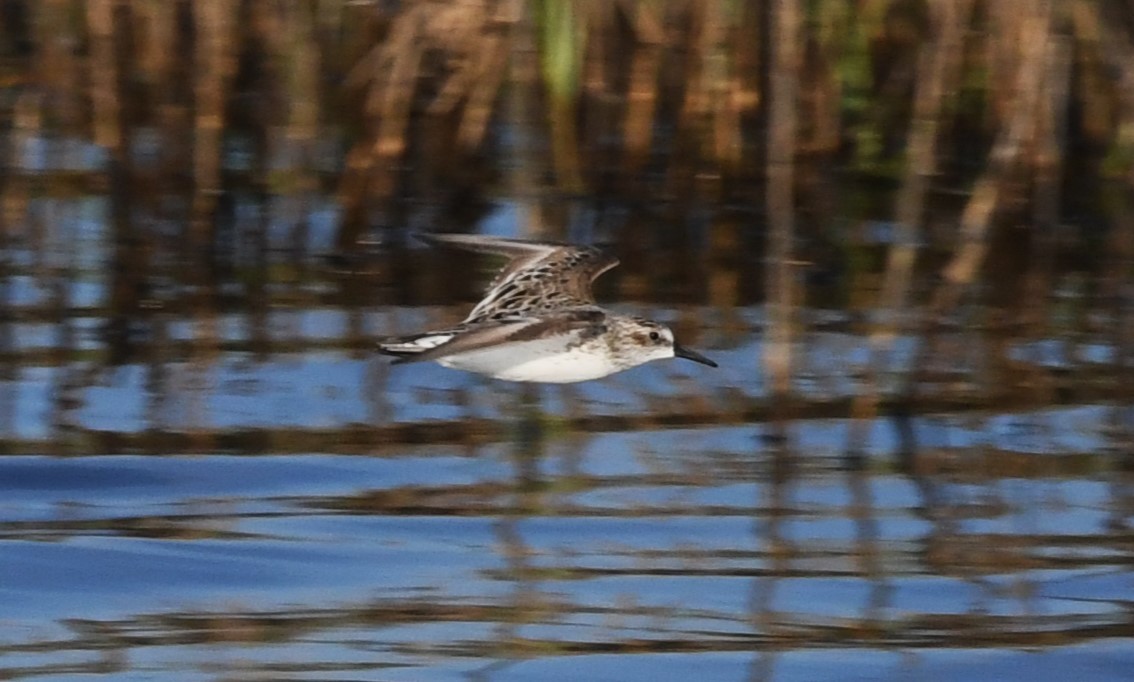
[538, 276]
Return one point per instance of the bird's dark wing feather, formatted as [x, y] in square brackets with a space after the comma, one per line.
[540, 276]
[491, 332]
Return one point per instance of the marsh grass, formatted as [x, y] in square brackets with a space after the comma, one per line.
[751, 145]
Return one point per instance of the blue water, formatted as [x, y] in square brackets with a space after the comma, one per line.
[269, 501]
[637, 555]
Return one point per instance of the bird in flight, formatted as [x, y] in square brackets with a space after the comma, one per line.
[538, 320]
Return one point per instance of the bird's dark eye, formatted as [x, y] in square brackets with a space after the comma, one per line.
[654, 336]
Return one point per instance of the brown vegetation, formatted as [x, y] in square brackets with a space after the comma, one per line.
[990, 137]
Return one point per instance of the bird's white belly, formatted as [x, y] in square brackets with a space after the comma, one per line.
[531, 362]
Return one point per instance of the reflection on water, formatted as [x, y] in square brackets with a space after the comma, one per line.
[680, 547]
[206, 473]
[220, 481]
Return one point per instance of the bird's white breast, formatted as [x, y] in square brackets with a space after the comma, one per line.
[546, 360]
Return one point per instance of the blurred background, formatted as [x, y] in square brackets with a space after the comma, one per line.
[904, 228]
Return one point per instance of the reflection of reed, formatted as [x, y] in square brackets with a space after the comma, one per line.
[991, 190]
[878, 583]
[780, 287]
[9, 370]
[1117, 287]
[679, 122]
[674, 126]
[938, 68]
[214, 67]
[686, 105]
[171, 385]
[778, 550]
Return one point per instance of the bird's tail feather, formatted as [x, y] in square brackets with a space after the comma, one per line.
[404, 348]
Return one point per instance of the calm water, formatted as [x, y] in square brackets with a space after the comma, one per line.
[242, 491]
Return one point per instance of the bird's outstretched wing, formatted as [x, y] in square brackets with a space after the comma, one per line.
[579, 323]
[539, 276]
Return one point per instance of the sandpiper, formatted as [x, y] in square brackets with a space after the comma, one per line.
[538, 321]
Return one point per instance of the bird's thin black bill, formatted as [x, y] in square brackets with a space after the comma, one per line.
[692, 355]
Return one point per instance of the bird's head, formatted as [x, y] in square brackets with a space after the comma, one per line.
[653, 341]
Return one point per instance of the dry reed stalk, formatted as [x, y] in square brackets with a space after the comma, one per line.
[483, 44]
[60, 78]
[1002, 41]
[722, 88]
[935, 80]
[214, 66]
[597, 70]
[9, 371]
[779, 282]
[455, 88]
[746, 59]
[8, 162]
[467, 45]
[491, 68]
[290, 36]
[12, 206]
[158, 43]
[1049, 149]
[825, 88]
[389, 73]
[642, 88]
[1116, 288]
[937, 74]
[103, 75]
[1122, 339]
[57, 72]
[683, 146]
[302, 62]
[215, 24]
[522, 104]
[156, 22]
[1094, 88]
[166, 80]
[462, 47]
[601, 107]
[976, 219]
